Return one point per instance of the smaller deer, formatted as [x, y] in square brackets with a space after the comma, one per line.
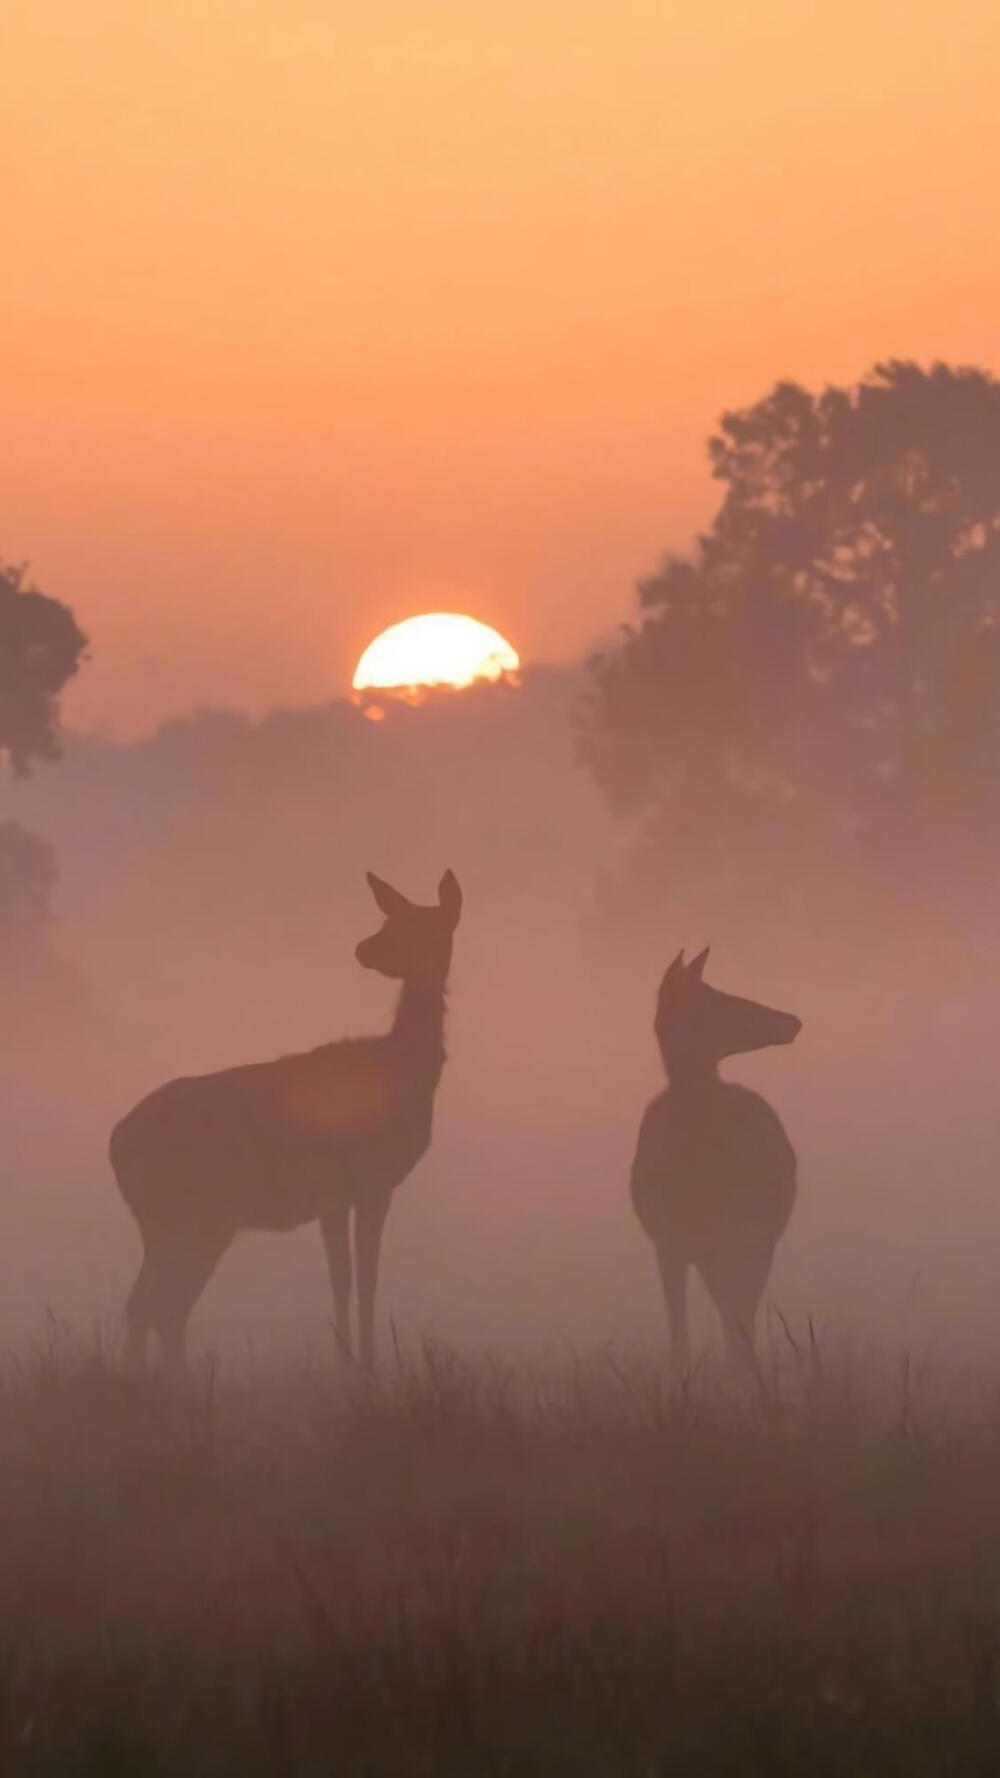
[305, 1138]
[713, 1180]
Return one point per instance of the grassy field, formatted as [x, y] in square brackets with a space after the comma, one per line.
[570, 1568]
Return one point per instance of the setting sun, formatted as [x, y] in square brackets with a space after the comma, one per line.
[440, 648]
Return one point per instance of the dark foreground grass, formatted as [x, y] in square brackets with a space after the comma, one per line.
[471, 1570]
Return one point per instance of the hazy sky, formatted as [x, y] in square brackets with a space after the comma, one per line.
[311, 319]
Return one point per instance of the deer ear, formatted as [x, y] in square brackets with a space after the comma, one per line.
[450, 898]
[673, 975]
[388, 899]
[696, 968]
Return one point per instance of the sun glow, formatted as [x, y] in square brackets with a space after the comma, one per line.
[440, 648]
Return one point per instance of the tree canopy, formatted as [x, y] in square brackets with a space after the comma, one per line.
[41, 647]
[817, 686]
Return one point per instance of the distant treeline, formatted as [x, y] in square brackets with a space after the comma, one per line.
[803, 724]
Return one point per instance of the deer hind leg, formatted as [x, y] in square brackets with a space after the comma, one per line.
[369, 1221]
[335, 1225]
[177, 1266]
[673, 1277]
[735, 1280]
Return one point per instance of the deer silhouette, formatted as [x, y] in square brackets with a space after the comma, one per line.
[305, 1138]
[713, 1180]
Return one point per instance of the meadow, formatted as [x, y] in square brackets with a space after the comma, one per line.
[574, 1566]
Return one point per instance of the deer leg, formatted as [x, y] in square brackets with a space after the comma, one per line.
[137, 1317]
[737, 1287]
[334, 1224]
[184, 1262]
[369, 1221]
[738, 1331]
[673, 1277]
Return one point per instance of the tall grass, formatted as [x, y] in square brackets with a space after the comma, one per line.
[471, 1568]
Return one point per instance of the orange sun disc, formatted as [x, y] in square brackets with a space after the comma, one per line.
[440, 648]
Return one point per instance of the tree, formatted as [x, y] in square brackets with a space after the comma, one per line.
[41, 648]
[817, 688]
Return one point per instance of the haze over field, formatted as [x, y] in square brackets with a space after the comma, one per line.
[212, 893]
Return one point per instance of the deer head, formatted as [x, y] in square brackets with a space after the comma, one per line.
[699, 1025]
[414, 943]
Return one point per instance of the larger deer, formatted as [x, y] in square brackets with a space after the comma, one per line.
[306, 1138]
[713, 1180]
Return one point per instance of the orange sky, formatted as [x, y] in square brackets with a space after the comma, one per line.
[312, 319]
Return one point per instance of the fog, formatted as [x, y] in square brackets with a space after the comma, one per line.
[212, 891]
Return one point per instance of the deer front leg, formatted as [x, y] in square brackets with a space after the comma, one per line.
[673, 1277]
[137, 1318]
[369, 1221]
[337, 1242]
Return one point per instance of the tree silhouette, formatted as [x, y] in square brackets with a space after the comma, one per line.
[40, 649]
[818, 685]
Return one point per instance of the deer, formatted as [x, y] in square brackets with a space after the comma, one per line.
[713, 1181]
[312, 1137]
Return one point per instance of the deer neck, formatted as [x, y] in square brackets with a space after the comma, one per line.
[417, 1034]
[691, 1075]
